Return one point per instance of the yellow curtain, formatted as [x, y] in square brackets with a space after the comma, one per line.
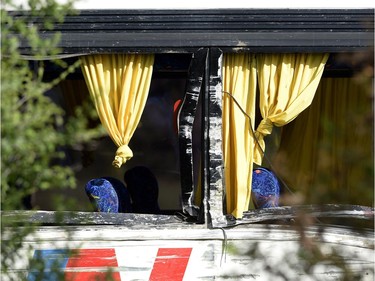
[328, 149]
[287, 84]
[239, 80]
[119, 85]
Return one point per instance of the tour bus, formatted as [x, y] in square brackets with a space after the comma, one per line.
[224, 95]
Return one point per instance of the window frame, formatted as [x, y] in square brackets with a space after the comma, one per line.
[244, 30]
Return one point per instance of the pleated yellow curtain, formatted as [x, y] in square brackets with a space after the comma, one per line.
[119, 86]
[239, 80]
[287, 84]
[328, 149]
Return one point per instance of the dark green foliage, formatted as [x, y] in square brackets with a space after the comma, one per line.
[34, 128]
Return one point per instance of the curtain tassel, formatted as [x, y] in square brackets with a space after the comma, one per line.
[123, 154]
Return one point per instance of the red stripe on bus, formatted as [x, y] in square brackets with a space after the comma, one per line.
[170, 264]
[92, 258]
